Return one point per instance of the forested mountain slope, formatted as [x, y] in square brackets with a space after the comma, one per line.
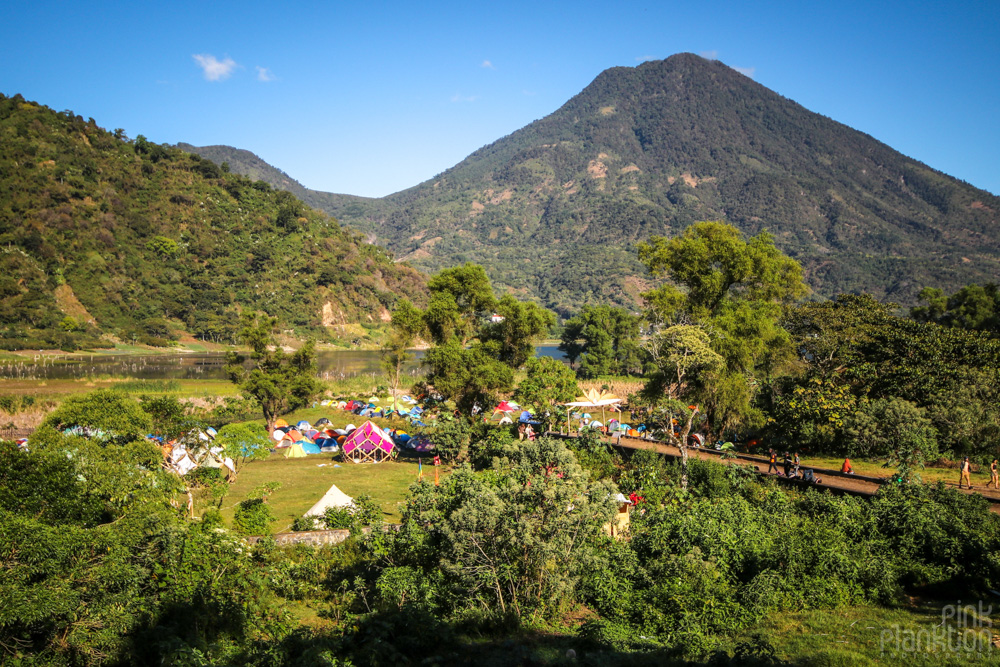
[555, 208]
[147, 242]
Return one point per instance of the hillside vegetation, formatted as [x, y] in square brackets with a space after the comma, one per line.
[102, 235]
[555, 209]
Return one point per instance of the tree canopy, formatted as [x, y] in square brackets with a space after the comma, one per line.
[278, 382]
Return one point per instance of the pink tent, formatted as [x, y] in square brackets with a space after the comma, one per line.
[503, 407]
[368, 444]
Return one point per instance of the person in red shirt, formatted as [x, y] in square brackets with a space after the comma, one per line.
[846, 468]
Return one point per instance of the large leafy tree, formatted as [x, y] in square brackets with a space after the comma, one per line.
[972, 307]
[470, 376]
[896, 430]
[514, 541]
[605, 340]
[519, 325]
[99, 567]
[106, 414]
[857, 342]
[277, 381]
[406, 325]
[473, 356]
[736, 289]
[460, 297]
[547, 385]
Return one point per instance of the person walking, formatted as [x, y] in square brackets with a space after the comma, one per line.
[788, 465]
[966, 468]
[994, 475]
[772, 463]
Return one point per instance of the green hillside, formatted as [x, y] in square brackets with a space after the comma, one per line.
[103, 236]
[555, 208]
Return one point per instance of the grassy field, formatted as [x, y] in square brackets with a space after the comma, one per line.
[304, 481]
[924, 633]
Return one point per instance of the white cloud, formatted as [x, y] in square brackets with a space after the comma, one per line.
[487, 64]
[265, 74]
[459, 97]
[645, 59]
[213, 68]
[709, 55]
[746, 71]
[529, 93]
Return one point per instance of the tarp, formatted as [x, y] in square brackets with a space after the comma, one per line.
[332, 498]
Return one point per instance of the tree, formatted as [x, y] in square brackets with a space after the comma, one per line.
[469, 376]
[407, 323]
[242, 442]
[682, 355]
[521, 324]
[548, 384]
[517, 540]
[278, 382]
[736, 289]
[605, 340]
[713, 262]
[108, 415]
[897, 430]
[953, 373]
[972, 307]
[460, 296]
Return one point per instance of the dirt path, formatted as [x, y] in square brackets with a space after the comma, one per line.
[832, 479]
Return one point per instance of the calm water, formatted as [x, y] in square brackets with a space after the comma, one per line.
[209, 366]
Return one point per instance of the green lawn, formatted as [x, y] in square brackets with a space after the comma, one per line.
[304, 481]
[912, 635]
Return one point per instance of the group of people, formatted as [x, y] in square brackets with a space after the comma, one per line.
[792, 467]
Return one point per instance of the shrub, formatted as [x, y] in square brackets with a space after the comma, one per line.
[253, 517]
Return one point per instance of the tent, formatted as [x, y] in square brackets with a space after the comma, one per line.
[332, 498]
[368, 444]
[308, 447]
[295, 451]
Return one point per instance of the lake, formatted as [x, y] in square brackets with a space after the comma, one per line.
[208, 365]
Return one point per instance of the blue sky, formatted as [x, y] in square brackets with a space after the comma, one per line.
[371, 98]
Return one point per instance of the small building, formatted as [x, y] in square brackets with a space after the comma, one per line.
[618, 527]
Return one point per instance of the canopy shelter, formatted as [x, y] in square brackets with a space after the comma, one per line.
[593, 398]
[368, 444]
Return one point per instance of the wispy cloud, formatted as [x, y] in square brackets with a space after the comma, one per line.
[746, 71]
[213, 68]
[709, 55]
[645, 59]
[459, 97]
[487, 64]
[529, 93]
[265, 74]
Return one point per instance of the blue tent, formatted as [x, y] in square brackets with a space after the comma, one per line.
[309, 447]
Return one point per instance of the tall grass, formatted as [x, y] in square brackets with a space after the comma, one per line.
[139, 386]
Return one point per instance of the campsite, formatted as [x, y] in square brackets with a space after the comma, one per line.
[511, 501]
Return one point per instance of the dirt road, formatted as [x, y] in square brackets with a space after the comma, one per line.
[831, 479]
